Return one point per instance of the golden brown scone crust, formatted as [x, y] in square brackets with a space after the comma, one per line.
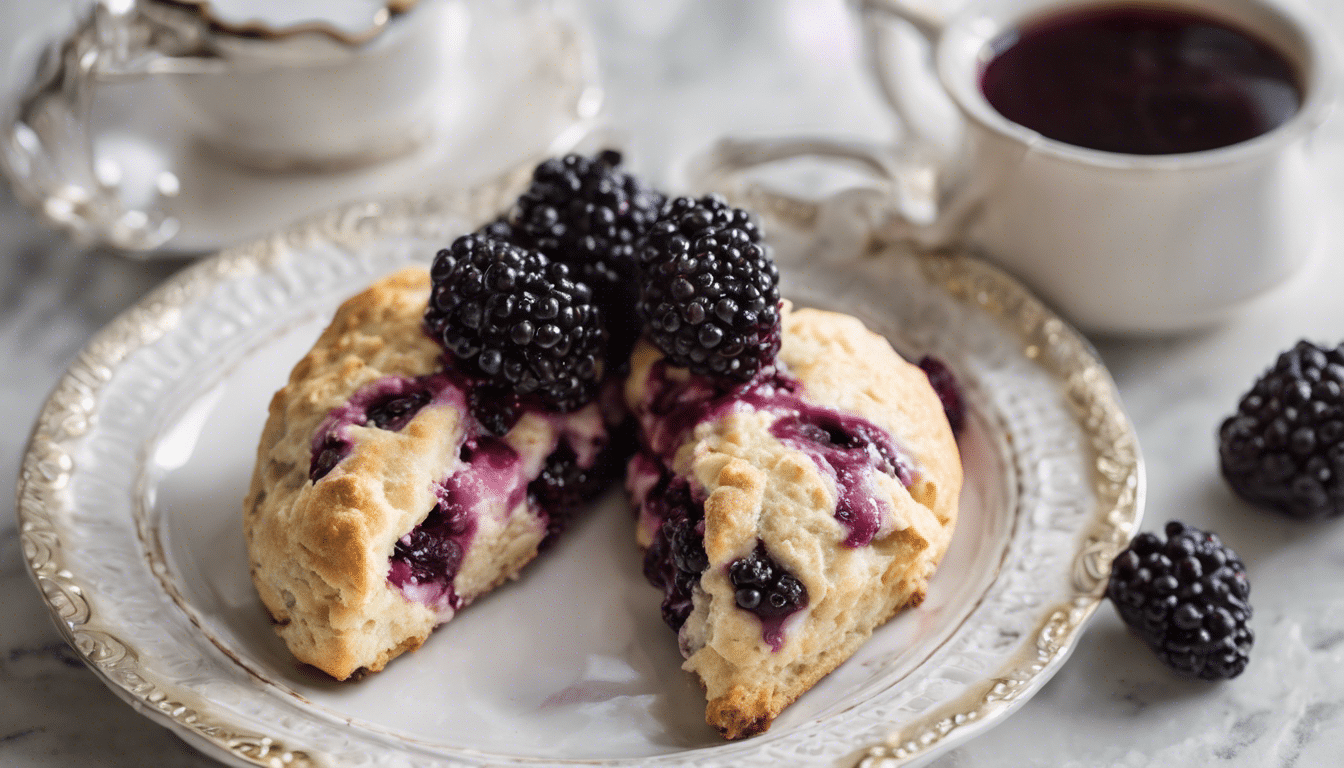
[760, 488]
[320, 552]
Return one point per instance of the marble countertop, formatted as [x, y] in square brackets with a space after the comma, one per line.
[678, 75]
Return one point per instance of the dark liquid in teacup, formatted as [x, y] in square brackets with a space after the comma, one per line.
[1140, 80]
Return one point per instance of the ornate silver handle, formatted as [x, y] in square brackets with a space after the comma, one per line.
[47, 149]
[920, 194]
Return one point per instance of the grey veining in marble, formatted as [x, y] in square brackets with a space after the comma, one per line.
[53, 711]
[680, 73]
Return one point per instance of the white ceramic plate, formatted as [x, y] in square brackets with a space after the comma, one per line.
[131, 491]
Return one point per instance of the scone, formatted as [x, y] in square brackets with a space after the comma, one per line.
[380, 505]
[445, 425]
[788, 502]
[796, 482]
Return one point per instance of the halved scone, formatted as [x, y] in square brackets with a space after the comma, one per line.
[787, 516]
[380, 506]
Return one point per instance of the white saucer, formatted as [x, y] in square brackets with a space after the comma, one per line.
[129, 505]
[530, 91]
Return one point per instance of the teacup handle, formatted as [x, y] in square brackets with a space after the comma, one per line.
[47, 148]
[923, 194]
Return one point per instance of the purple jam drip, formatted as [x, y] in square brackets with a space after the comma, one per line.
[388, 403]
[1140, 81]
[944, 384]
[845, 446]
[772, 631]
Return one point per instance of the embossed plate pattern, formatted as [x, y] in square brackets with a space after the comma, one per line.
[129, 509]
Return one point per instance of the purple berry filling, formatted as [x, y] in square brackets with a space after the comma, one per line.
[843, 434]
[426, 560]
[491, 472]
[430, 556]
[329, 453]
[676, 557]
[394, 411]
[566, 483]
[845, 446]
[677, 406]
[763, 587]
[495, 408]
[945, 385]
[388, 403]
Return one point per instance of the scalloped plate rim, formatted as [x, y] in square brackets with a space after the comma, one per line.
[357, 220]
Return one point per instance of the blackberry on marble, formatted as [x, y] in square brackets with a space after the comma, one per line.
[764, 587]
[1188, 598]
[515, 319]
[587, 213]
[709, 291]
[1284, 446]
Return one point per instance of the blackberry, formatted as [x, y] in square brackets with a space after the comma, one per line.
[764, 587]
[516, 320]
[331, 452]
[433, 550]
[563, 487]
[676, 557]
[1187, 598]
[1284, 447]
[586, 213]
[949, 394]
[396, 411]
[499, 229]
[496, 408]
[709, 291]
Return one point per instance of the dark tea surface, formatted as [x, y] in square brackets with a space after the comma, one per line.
[1141, 81]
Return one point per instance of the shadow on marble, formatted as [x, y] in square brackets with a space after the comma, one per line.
[53, 711]
[1256, 533]
[1127, 357]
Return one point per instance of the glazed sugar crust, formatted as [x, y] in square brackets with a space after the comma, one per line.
[756, 487]
[319, 552]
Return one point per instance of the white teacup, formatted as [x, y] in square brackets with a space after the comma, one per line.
[300, 84]
[357, 87]
[1116, 242]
